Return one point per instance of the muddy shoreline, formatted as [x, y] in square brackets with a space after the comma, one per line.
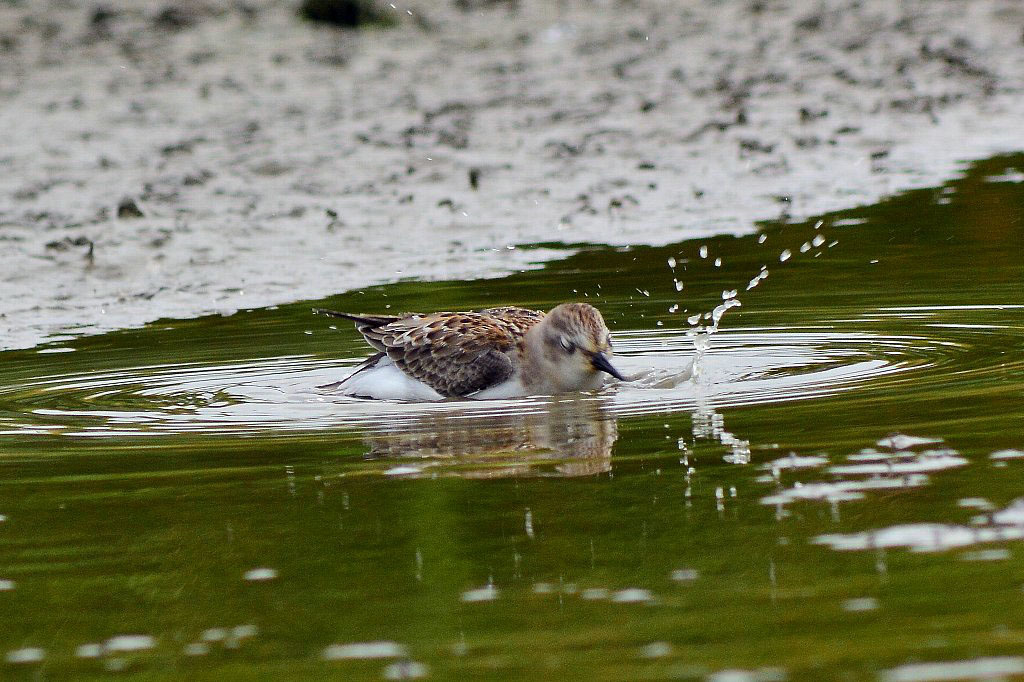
[176, 159]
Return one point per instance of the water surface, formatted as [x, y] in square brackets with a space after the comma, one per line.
[825, 486]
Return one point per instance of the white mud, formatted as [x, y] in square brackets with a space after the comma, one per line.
[275, 161]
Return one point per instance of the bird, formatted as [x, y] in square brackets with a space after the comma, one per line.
[503, 352]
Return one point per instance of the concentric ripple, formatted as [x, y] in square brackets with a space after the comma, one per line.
[279, 394]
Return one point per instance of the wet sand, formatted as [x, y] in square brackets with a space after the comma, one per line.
[176, 159]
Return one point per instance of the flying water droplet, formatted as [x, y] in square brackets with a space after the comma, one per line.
[703, 251]
[785, 255]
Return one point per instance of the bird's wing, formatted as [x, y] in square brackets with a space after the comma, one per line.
[454, 353]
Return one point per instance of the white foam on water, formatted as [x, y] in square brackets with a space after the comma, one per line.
[860, 604]
[1012, 515]
[26, 655]
[403, 471]
[486, 593]
[129, 643]
[920, 537]
[975, 503]
[976, 669]
[260, 574]
[684, 575]
[918, 465]
[90, 650]
[899, 441]
[759, 675]
[633, 595]
[656, 650]
[987, 555]
[406, 670]
[214, 634]
[794, 461]
[364, 650]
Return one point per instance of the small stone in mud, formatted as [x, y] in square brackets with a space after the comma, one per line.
[807, 115]
[68, 242]
[474, 178]
[199, 178]
[178, 16]
[345, 13]
[101, 17]
[128, 209]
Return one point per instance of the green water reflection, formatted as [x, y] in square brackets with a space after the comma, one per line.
[561, 540]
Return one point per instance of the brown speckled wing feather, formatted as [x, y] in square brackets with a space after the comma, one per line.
[454, 353]
[520, 318]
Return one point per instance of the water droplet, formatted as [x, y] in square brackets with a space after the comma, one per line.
[214, 634]
[633, 595]
[656, 650]
[260, 574]
[129, 643]
[785, 255]
[486, 593]
[91, 650]
[364, 650]
[406, 670]
[672, 262]
[860, 604]
[718, 262]
[27, 655]
[818, 240]
[762, 238]
[805, 247]
[594, 593]
[196, 649]
[703, 251]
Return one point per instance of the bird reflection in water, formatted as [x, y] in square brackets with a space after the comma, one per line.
[567, 436]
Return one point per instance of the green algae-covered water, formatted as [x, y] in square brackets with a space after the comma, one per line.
[826, 486]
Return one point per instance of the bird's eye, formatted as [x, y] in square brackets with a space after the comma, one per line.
[567, 345]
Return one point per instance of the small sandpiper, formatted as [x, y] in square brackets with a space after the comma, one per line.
[494, 353]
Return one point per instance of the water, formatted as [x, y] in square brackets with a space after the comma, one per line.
[820, 481]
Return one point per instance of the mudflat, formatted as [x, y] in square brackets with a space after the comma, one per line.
[172, 159]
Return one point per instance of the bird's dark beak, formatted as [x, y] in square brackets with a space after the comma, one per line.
[600, 362]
